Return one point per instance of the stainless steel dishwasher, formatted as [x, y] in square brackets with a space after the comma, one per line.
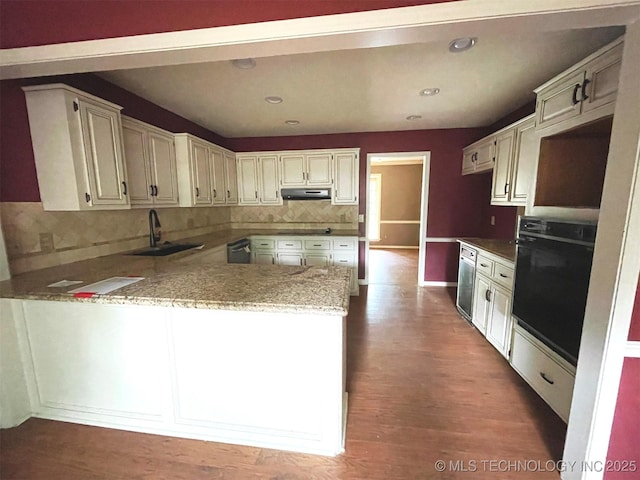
[466, 278]
[239, 251]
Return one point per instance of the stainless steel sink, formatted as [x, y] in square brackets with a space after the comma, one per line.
[165, 249]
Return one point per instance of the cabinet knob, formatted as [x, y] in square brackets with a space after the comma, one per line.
[487, 295]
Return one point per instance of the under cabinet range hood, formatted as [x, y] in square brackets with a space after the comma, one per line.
[306, 193]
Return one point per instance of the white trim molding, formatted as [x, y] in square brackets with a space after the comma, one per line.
[431, 283]
[400, 222]
[441, 240]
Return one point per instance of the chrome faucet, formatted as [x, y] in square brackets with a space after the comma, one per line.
[153, 224]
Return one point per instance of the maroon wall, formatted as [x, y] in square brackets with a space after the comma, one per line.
[39, 22]
[625, 433]
[18, 181]
[457, 204]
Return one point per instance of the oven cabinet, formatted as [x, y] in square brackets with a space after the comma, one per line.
[492, 300]
[548, 374]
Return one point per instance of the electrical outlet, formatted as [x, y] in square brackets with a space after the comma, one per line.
[361, 218]
[493, 220]
[46, 242]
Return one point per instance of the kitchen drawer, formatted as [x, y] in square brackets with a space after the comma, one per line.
[344, 259]
[503, 275]
[345, 244]
[289, 244]
[550, 380]
[263, 244]
[317, 245]
[484, 266]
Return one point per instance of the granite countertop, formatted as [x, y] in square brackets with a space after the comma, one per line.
[502, 248]
[273, 288]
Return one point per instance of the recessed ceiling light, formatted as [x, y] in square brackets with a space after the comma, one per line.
[244, 63]
[292, 122]
[273, 100]
[462, 44]
[414, 117]
[429, 92]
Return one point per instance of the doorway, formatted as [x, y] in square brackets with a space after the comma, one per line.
[396, 217]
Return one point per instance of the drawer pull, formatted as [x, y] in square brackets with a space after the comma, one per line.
[317, 245]
[484, 265]
[343, 245]
[544, 377]
[264, 244]
[503, 275]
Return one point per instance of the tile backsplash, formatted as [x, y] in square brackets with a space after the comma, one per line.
[38, 239]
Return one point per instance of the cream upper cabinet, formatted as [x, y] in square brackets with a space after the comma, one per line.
[478, 157]
[268, 180]
[216, 157]
[584, 93]
[346, 178]
[516, 151]
[503, 164]
[231, 176]
[77, 144]
[195, 182]
[151, 164]
[259, 180]
[305, 169]
[248, 180]
[224, 176]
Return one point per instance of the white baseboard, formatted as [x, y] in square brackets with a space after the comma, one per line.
[430, 283]
[403, 247]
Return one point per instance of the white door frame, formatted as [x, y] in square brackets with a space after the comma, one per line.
[424, 204]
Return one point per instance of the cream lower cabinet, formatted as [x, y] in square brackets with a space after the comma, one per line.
[516, 155]
[78, 149]
[151, 164]
[492, 300]
[311, 251]
[549, 375]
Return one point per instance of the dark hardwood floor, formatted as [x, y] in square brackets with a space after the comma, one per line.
[423, 386]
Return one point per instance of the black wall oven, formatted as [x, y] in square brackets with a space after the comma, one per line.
[553, 267]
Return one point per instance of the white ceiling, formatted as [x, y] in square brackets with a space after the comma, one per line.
[365, 90]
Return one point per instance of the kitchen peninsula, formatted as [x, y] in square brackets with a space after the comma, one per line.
[245, 354]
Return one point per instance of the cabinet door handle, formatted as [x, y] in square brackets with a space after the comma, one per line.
[124, 188]
[506, 188]
[152, 190]
[544, 377]
[584, 89]
[574, 98]
[197, 192]
[300, 262]
[155, 190]
[228, 194]
[215, 193]
[487, 295]
[87, 197]
[256, 194]
[277, 193]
